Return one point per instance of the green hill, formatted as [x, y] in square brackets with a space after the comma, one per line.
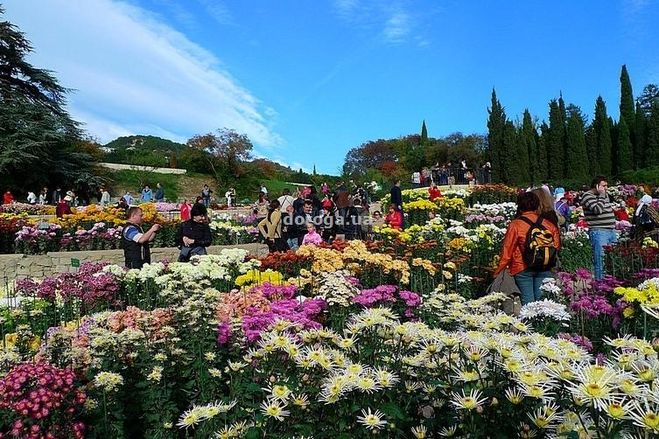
[142, 150]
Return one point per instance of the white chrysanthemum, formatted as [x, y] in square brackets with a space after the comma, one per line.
[545, 309]
[372, 420]
[274, 409]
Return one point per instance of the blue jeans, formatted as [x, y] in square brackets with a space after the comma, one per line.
[529, 282]
[598, 239]
[292, 243]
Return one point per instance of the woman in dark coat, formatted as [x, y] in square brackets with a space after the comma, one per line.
[194, 235]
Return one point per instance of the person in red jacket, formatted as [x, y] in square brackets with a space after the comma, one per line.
[64, 207]
[394, 218]
[185, 210]
[434, 192]
[7, 198]
[528, 281]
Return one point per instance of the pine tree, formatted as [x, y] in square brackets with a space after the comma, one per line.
[424, 133]
[640, 130]
[602, 133]
[627, 102]
[542, 153]
[555, 141]
[38, 138]
[528, 149]
[624, 157]
[652, 150]
[496, 125]
[577, 156]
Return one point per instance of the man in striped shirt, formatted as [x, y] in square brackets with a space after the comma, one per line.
[598, 211]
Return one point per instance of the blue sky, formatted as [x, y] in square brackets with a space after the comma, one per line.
[308, 80]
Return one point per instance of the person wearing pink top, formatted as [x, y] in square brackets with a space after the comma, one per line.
[312, 236]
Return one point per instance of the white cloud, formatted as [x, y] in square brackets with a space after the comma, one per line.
[397, 27]
[134, 74]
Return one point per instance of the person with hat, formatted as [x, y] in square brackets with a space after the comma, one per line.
[64, 207]
[194, 235]
[136, 242]
[646, 218]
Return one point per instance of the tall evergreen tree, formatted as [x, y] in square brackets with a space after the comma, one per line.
[577, 156]
[496, 124]
[510, 172]
[542, 153]
[529, 150]
[602, 133]
[627, 103]
[640, 130]
[424, 133]
[563, 113]
[591, 149]
[652, 150]
[555, 141]
[624, 158]
[614, 146]
[38, 138]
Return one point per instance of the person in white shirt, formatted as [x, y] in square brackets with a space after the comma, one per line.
[230, 194]
[285, 200]
[31, 198]
[416, 178]
[264, 189]
[105, 197]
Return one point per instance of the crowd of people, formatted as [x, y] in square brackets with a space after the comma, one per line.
[453, 173]
[309, 217]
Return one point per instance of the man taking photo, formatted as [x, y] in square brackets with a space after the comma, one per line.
[136, 241]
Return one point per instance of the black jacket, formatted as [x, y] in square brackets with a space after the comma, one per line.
[397, 197]
[200, 232]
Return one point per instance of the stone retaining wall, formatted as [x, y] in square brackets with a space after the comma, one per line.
[38, 266]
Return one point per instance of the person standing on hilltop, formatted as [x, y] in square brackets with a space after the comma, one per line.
[159, 195]
[206, 193]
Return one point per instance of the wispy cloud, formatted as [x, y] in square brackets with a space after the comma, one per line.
[389, 22]
[398, 27]
[219, 11]
[346, 8]
[135, 74]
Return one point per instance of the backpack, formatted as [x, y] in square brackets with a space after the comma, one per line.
[539, 252]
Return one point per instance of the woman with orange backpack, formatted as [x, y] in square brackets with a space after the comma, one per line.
[530, 248]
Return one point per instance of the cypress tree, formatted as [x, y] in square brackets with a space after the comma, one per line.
[496, 125]
[591, 149]
[542, 153]
[565, 171]
[528, 149]
[510, 151]
[602, 134]
[555, 142]
[624, 158]
[577, 156]
[627, 102]
[640, 130]
[424, 133]
[614, 146]
[652, 150]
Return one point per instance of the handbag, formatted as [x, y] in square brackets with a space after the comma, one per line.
[505, 283]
